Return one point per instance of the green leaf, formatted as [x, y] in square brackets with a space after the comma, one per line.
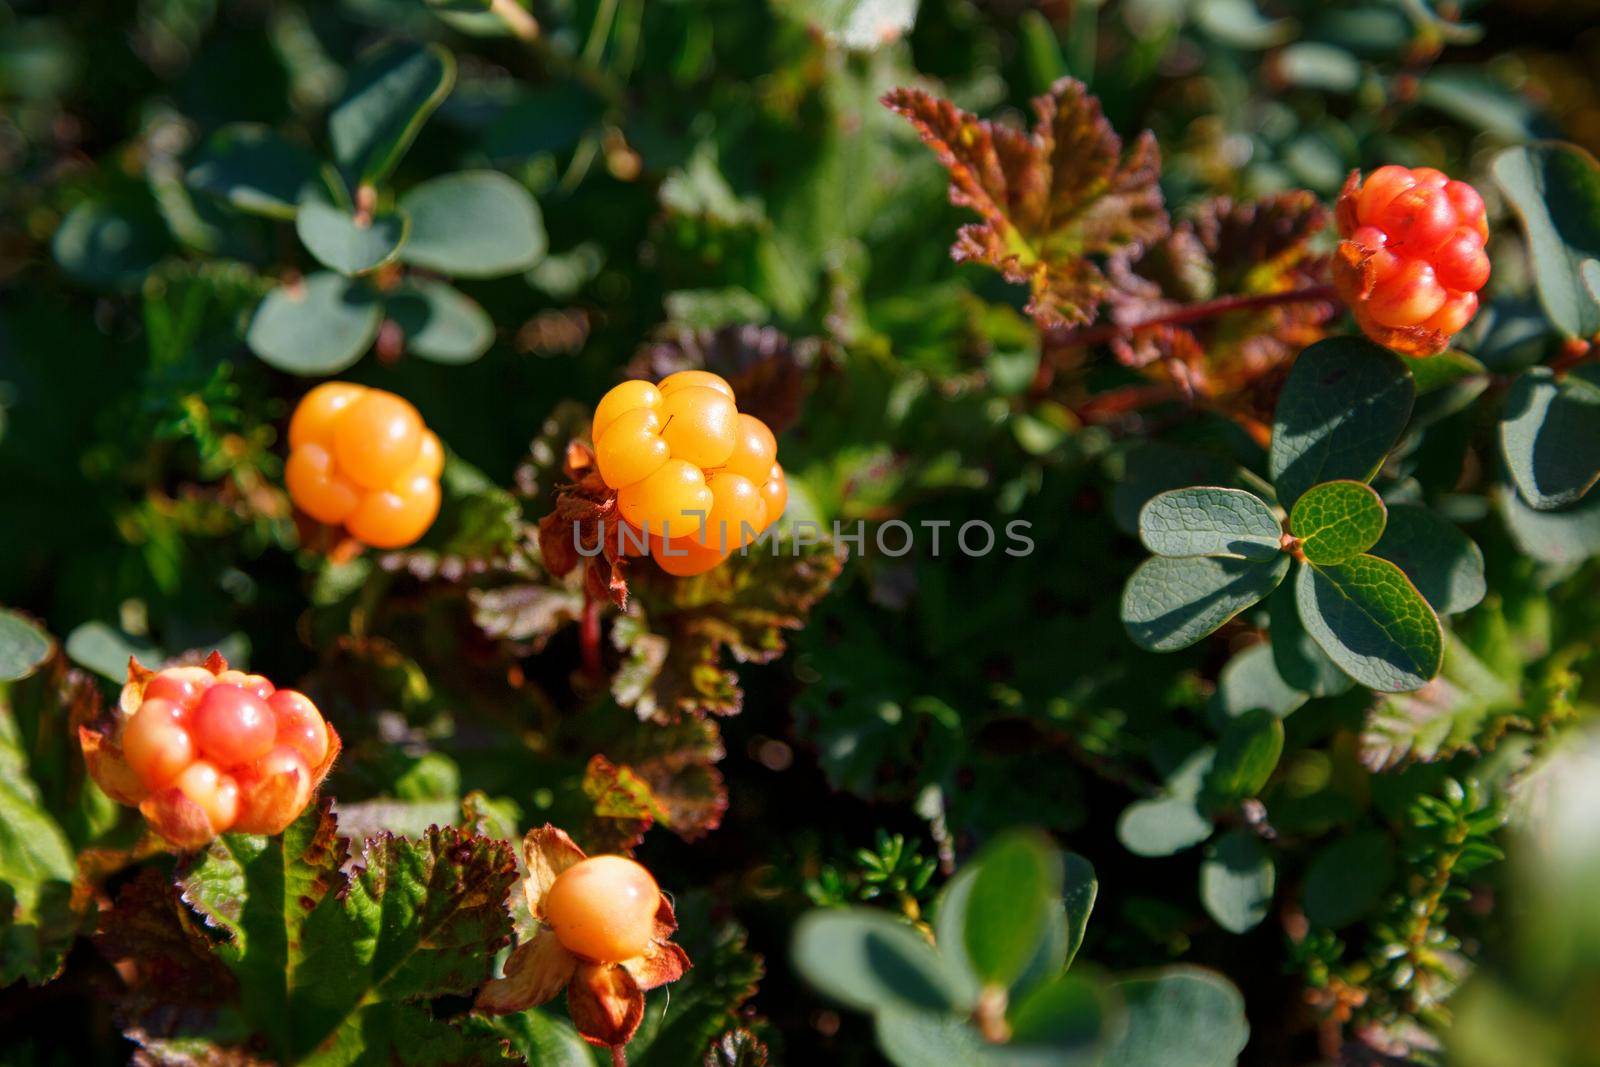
[1348, 878]
[1240, 23]
[1441, 561]
[1068, 1014]
[1460, 709]
[475, 224]
[1297, 656]
[24, 646]
[1079, 889]
[1372, 622]
[1555, 190]
[440, 322]
[1550, 433]
[1148, 468]
[1180, 1017]
[919, 1039]
[327, 956]
[1210, 521]
[1342, 409]
[1017, 885]
[1337, 520]
[1470, 94]
[1556, 537]
[1251, 681]
[392, 92]
[320, 325]
[339, 240]
[1237, 881]
[37, 866]
[869, 961]
[105, 650]
[1246, 756]
[1173, 820]
[255, 169]
[1315, 65]
[1170, 604]
[110, 246]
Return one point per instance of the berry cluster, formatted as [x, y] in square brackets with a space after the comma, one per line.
[204, 750]
[1412, 260]
[362, 457]
[692, 474]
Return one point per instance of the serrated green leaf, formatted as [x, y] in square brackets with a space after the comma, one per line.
[322, 955]
[255, 169]
[1342, 409]
[1372, 622]
[1550, 434]
[1017, 885]
[869, 961]
[1170, 604]
[475, 224]
[339, 240]
[1180, 1017]
[1348, 878]
[1210, 521]
[1237, 881]
[1555, 190]
[1337, 520]
[1297, 656]
[1441, 561]
[320, 325]
[1246, 756]
[440, 322]
[392, 92]
[1251, 681]
[24, 646]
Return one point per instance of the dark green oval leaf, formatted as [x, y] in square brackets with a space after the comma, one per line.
[1555, 189]
[1237, 881]
[1372, 622]
[1561, 537]
[24, 646]
[1246, 756]
[110, 246]
[1210, 521]
[867, 960]
[1550, 433]
[255, 169]
[476, 224]
[392, 92]
[1342, 409]
[1348, 878]
[440, 322]
[1251, 681]
[1170, 604]
[1162, 826]
[1441, 561]
[348, 245]
[1180, 1017]
[1017, 885]
[1337, 520]
[320, 325]
[1068, 1014]
[1296, 655]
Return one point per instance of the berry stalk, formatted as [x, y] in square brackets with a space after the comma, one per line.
[1189, 313]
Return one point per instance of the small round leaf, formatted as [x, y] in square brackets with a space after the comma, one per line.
[320, 325]
[477, 224]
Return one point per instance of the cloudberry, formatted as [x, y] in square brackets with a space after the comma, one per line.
[362, 458]
[688, 467]
[1412, 259]
[205, 750]
[603, 908]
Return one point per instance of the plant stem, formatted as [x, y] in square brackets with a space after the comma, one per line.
[517, 19]
[1207, 309]
[589, 636]
[619, 1058]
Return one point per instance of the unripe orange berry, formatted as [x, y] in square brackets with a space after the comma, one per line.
[1454, 315]
[300, 725]
[232, 726]
[1381, 187]
[319, 411]
[155, 743]
[684, 557]
[775, 493]
[272, 791]
[695, 379]
[625, 397]
[397, 516]
[376, 439]
[1409, 297]
[738, 512]
[700, 425]
[632, 448]
[603, 908]
[755, 450]
[316, 487]
[672, 502]
[217, 794]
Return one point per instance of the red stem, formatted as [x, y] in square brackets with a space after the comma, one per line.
[589, 636]
[1094, 335]
[619, 1058]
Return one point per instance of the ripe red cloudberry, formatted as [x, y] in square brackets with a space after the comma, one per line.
[362, 458]
[206, 750]
[691, 471]
[1412, 257]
